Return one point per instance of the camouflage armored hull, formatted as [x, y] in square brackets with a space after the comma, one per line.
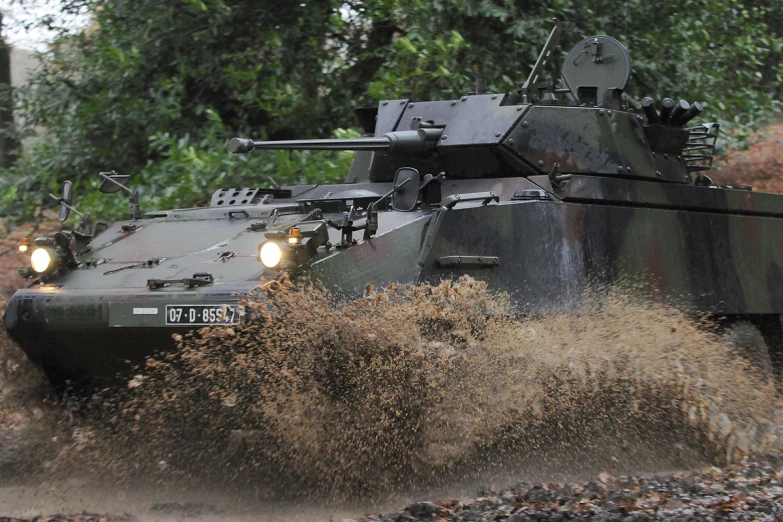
[545, 194]
[543, 247]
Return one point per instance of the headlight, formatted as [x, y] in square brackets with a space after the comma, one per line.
[293, 249]
[42, 259]
[269, 253]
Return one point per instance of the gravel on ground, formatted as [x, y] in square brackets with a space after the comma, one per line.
[751, 490]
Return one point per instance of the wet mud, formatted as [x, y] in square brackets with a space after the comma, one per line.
[408, 393]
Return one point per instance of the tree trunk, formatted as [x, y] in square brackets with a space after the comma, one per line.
[8, 143]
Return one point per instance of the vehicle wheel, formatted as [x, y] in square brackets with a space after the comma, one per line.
[749, 343]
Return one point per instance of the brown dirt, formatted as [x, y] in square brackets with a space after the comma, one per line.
[761, 166]
[750, 491]
[24, 404]
[26, 407]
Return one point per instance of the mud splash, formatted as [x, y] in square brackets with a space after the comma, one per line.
[414, 386]
[25, 410]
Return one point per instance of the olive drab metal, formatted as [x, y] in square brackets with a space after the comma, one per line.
[561, 186]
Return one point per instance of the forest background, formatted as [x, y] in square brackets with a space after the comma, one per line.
[156, 88]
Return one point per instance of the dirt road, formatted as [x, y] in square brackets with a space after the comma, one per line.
[751, 490]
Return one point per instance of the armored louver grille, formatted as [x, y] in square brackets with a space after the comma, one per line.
[701, 147]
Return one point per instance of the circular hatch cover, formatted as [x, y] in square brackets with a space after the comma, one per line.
[598, 61]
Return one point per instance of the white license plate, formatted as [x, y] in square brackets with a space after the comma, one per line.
[202, 315]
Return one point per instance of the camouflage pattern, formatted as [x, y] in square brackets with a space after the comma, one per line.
[571, 197]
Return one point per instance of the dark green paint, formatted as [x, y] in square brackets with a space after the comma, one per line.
[588, 195]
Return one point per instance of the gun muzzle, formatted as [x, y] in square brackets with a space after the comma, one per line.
[667, 104]
[648, 105]
[240, 145]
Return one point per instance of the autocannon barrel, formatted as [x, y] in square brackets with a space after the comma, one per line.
[417, 142]
[240, 145]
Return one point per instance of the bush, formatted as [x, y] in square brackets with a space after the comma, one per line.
[156, 89]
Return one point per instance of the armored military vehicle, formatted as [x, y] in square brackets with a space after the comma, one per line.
[541, 193]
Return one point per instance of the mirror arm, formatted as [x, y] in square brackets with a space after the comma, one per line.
[372, 214]
[133, 204]
[66, 205]
[107, 177]
[84, 225]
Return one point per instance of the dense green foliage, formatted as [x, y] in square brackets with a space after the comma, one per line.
[155, 88]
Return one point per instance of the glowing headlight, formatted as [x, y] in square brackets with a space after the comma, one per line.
[41, 260]
[270, 254]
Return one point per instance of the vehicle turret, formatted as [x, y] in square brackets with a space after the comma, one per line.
[570, 121]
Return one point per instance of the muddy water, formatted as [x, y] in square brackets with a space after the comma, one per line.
[405, 393]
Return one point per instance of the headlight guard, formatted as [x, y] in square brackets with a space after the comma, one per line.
[295, 247]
